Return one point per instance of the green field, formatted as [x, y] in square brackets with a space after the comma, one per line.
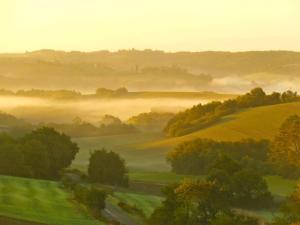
[40, 201]
[280, 186]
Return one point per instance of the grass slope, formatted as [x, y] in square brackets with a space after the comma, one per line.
[126, 146]
[257, 123]
[40, 201]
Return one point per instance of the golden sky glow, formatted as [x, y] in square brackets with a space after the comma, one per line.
[171, 25]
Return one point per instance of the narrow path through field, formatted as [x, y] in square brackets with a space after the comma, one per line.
[112, 212]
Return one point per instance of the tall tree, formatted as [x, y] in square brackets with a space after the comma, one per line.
[286, 146]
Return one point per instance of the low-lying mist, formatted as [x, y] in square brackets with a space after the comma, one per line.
[36, 110]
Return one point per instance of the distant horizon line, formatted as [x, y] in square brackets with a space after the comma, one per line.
[141, 50]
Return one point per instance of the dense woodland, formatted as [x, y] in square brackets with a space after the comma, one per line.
[201, 116]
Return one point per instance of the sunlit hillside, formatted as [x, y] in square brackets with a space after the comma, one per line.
[257, 123]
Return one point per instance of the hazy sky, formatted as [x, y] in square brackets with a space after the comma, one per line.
[171, 25]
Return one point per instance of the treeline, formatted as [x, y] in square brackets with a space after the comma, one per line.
[43, 153]
[65, 94]
[280, 156]
[201, 116]
[104, 93]
[108, 125]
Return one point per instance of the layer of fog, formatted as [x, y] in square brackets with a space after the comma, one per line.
[41, 110]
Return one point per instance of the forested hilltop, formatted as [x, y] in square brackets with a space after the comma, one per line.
[149, 70]
[201, 116]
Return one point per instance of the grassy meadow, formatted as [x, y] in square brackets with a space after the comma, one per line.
[40, 201]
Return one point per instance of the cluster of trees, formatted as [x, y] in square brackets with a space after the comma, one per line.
[197, 157]
[43, 153]
[244, 187]
[152, 121]
[229, 184]
[109, 125]
[104, 92]
[201, 116]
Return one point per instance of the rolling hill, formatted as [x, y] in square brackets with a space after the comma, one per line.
[150, 70]
[258, 123]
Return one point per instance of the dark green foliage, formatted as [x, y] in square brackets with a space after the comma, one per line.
[41, 154]
[12, 161]
[58, 150]
[201, 116]
[197, 156]
[250, 190]
[107, 168]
